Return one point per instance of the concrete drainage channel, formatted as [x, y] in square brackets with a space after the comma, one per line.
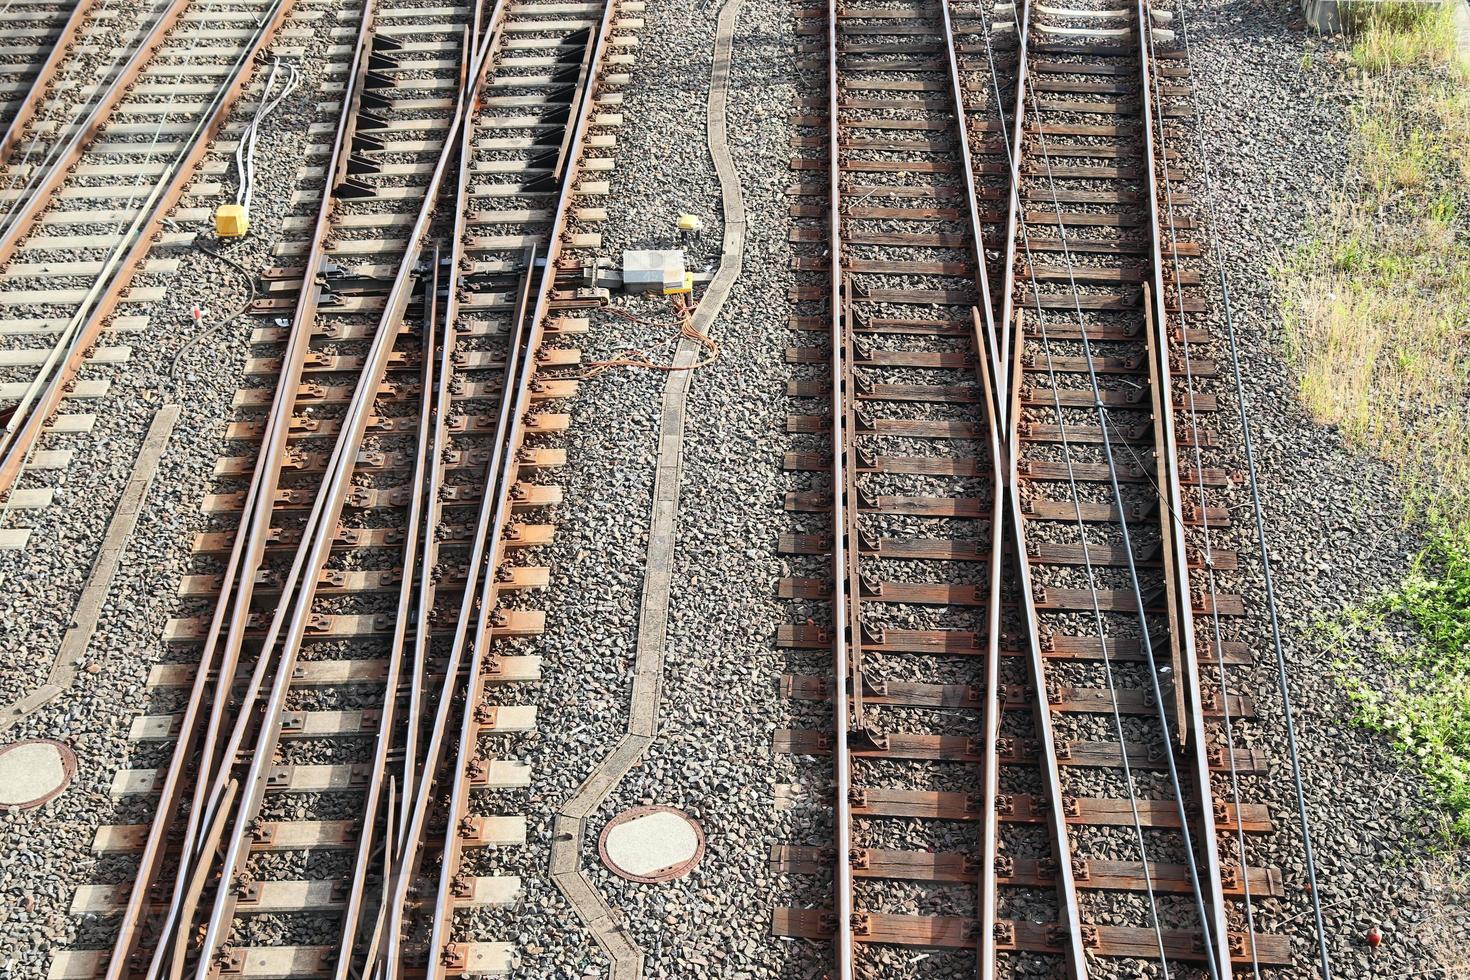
[655, 844]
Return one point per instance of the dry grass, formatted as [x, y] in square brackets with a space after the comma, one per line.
[1407, 35]
[1377, 306]
[1377, 322]
[1445, 931]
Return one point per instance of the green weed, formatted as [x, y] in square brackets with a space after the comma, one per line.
[1424, 708]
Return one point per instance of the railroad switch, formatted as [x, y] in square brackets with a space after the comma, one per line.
[231, 221]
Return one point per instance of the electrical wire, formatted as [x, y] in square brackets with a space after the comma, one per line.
[1111, 463]
[204, 334]
[245, 147]
[642, 359]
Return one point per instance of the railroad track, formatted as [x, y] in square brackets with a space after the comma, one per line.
[336, 753]
[105, 146]
[33, 40]
[1033, 759]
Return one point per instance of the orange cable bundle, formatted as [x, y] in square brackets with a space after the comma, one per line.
[640, 359]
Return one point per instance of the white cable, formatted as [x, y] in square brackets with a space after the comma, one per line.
[245, 149]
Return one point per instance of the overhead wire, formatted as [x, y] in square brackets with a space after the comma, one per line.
[1117, 495]
[1067, 452]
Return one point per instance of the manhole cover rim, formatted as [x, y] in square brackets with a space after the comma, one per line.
[68, 758]
[669, 873]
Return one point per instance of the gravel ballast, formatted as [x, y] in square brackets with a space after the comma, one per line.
[46, 853]
[1276, 134]
[1274, 98]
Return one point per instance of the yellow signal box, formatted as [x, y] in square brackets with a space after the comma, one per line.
[231, 221]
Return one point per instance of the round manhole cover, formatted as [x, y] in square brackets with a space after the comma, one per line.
[34, 771]
[651, 844]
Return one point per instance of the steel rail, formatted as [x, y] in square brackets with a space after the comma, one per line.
[72, 150]
[423, 611]
[307, 305]
[1006, 364]
[24, 192]
[843, 687]
[290, 626]
[435, 509]
[1107, 660]
[258, 511]
[477, 606]
[1190, 730]
[153, 852]
[45, 75]
[985, 952]
[982, 319]
[403, 866]
[1068, 910]
[423, 519]
[1206, 533]
[1146, 642]
[428, 412]
[472, 609]
[506, 465]
[1176, 565]
[972, 198]
[1008, 322]
[1283, 681]
[69, 352]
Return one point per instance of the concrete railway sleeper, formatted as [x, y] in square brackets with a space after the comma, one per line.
[427, 597]
[1003, 397]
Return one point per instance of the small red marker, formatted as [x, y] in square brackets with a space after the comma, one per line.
[1374, 937]
[198, 313]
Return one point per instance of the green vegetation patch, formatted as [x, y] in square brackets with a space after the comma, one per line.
[1423, 706]
[1376, 311]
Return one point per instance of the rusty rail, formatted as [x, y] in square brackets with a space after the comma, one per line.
[37, 407]
[847, 693]
[240, 573]
[45, 75]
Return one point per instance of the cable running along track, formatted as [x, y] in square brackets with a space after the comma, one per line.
[1013, 530]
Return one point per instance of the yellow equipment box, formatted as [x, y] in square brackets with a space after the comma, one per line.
[686, 287]
[231, 221]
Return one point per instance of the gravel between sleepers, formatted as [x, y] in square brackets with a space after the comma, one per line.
[1276, 132]
[45, 853]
